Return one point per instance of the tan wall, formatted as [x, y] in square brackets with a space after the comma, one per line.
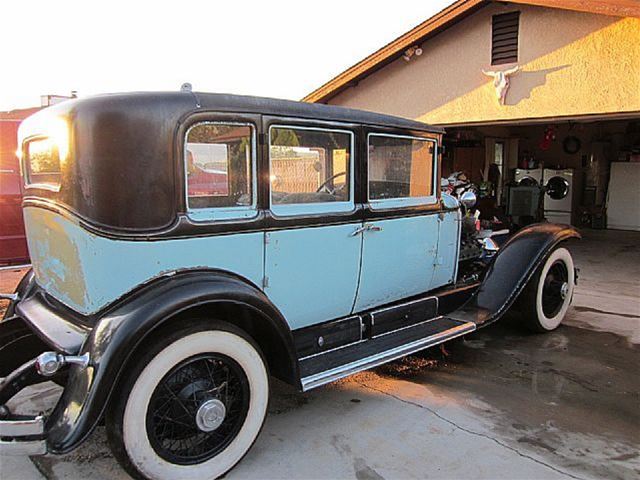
[572, 64]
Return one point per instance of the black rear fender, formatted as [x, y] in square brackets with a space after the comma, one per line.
[125, 328]
[26, 285]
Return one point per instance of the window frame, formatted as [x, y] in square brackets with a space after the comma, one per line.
[501, 168]
[402, 202]
[315, 208]
[212, 214]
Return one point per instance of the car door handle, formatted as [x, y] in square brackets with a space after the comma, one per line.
[364, 228]
[358, 231]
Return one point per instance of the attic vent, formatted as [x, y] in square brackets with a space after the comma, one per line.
[504, 38]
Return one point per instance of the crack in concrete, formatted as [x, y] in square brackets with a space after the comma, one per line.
[471, 432]
[581, 308]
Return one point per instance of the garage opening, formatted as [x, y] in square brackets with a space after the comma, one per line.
[583, 173]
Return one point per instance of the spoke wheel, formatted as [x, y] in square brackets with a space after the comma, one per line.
[177, 423]
[192, 403]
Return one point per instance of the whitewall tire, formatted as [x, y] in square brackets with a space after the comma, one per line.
[195, 405]
[546, 298]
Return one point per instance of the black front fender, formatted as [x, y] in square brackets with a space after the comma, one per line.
[510, 270]
[122, 328]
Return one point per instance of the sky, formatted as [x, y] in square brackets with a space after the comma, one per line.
[276, 48]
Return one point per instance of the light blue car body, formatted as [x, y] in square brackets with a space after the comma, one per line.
[310, 274]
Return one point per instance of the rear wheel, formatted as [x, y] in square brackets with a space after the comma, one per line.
[18, 345]
[546, 298]
[192, 407]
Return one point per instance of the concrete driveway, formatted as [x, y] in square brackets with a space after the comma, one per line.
[502, 404]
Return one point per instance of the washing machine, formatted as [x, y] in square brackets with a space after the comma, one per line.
[528, 178]
[560, 195]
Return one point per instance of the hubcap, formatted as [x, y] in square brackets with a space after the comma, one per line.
[564, 290]
[197, 409]
[210, 415]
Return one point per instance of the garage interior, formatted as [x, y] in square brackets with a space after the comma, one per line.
[582, 172]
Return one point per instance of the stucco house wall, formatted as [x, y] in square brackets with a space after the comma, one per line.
[572, 64]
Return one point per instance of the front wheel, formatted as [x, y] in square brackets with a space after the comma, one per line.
[546, 298]
[192, 406]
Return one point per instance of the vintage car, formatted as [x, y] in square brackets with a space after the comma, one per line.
[186, 246]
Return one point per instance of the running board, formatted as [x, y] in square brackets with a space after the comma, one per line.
[326, 367]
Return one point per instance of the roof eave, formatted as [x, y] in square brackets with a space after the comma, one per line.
[444, 19]
[614, 8]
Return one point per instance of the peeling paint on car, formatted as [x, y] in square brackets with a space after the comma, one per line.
[55, 256]
[86, 272]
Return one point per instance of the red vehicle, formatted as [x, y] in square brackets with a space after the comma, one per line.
[205, 181]
[13, 243]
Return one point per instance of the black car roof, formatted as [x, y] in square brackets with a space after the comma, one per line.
[176, 104]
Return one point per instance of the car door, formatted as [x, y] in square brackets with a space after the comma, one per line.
[312, 259]
[400, 234]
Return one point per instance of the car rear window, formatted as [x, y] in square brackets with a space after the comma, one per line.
[42, 163]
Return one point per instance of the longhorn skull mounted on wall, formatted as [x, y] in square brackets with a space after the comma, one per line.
[501, 81]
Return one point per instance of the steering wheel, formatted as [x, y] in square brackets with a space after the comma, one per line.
[325, 188]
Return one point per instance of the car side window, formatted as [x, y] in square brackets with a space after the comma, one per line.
[401, 170]
[219, 170]
[310, 170]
